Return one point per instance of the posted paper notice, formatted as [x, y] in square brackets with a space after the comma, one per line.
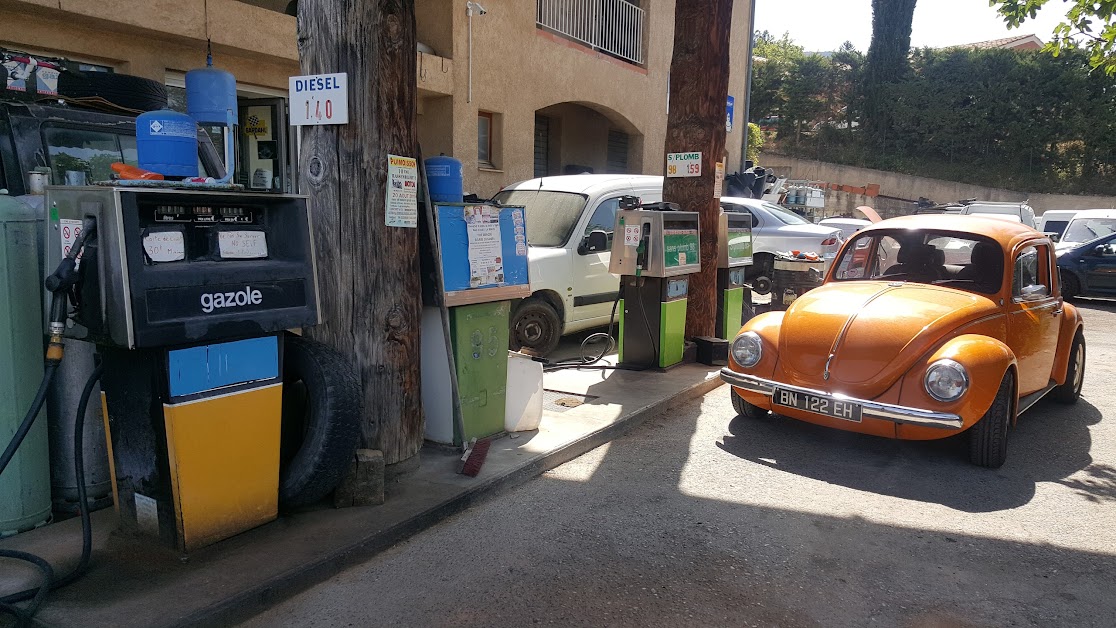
[486, 263]
[401, 209]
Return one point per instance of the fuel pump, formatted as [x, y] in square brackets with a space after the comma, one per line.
[659, 248]
[734, 253]
[186, 294]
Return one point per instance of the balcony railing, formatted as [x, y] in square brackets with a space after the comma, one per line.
[614, 27]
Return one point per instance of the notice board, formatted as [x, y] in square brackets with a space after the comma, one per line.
[484, 252]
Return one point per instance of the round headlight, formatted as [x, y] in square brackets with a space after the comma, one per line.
[747, 349]
[946, 380]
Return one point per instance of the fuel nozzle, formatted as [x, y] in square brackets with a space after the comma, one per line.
[60, 283]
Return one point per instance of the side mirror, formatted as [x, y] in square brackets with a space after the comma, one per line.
[595, 242]
[1034, 293]
[1098, 250]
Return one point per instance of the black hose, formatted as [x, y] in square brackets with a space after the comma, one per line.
[29, 418]
[591, 363]
[38, 594]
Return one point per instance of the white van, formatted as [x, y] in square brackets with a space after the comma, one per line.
[1055, 221]
[1019, 212]
[1087, 224]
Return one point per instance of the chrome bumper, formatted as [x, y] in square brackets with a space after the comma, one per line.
[870, 409]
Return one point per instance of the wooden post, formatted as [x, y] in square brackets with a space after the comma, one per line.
[696, 123]
[368, 272]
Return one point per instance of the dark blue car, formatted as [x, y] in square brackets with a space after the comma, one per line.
[1089, 270]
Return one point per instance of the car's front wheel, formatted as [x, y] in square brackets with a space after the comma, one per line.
[744, 408]
[988, 438]
[1070, 390]
[535, 326]
[1071, 287]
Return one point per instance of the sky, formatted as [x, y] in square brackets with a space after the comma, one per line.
[822, 25]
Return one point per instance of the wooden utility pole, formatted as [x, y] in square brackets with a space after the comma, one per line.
[699, 76]
[368, 272]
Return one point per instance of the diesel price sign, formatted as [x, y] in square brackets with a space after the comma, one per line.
[319, 99]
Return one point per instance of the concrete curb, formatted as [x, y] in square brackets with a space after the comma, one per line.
[247, 604]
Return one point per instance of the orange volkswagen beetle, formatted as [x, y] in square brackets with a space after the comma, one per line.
[926, 326]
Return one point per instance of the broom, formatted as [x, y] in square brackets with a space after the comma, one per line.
[474, 456]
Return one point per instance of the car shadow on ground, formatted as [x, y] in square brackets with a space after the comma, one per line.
[1049, 444]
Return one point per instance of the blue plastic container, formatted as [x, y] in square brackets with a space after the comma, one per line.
[167, 143]
[444, 175]
[210, 95]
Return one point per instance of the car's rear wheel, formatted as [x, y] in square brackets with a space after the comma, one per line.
[988, 438]
[535, 326]
[1070, 390]
[744, 408]
[1071, 287]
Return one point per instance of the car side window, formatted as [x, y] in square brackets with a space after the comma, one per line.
[604, 217]
[1031, 274]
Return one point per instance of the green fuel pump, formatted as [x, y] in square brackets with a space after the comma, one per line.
[655, 250]
[734, 253]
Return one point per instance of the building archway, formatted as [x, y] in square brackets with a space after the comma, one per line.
[579, 137]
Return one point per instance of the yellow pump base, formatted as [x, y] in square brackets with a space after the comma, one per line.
[195, 458]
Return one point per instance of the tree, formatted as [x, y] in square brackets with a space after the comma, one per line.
[1090, 26]
[696, 123]
[774, 61]
[887, 62]
[369, 273]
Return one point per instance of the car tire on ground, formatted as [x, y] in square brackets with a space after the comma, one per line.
[535, 326]
[744, 408]
[1071, 287]
[123, 90]
[321, 420]
[988, 438]
[1070, 390]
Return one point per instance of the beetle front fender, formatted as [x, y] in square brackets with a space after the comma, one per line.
[985, 359]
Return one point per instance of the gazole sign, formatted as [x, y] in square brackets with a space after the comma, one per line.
[683, 165]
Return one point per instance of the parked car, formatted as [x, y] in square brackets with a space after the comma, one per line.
[1089, 269]
[572, 288]
[1053, 222]
[916, 349]
[1087, 225]
[848, 226]
[776, 229]
[1020, 212]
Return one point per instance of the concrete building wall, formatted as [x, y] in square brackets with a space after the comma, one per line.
[516, 69]
[910, 187]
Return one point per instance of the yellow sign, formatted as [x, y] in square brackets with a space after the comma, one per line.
[256, 126]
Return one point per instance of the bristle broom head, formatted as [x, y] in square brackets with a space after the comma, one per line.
[476, 458]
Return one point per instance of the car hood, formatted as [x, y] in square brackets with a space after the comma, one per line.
[867, 334]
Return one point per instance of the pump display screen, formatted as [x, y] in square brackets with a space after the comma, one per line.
[680, 242]
[184, 232]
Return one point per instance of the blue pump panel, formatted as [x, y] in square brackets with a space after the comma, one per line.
[210, 367]
[484, 252]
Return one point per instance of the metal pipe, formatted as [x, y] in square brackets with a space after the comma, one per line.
[748, 90]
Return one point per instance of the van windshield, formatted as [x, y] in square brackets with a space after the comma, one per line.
[551, 216]
[1085, 229]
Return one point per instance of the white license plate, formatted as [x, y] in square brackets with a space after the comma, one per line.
[835, 408]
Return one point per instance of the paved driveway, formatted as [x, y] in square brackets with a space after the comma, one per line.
[698, 517]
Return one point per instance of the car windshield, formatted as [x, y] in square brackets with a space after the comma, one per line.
[551, 216]
[959, 260]
[784, 215]
[1054, 226]
[1085, 229]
